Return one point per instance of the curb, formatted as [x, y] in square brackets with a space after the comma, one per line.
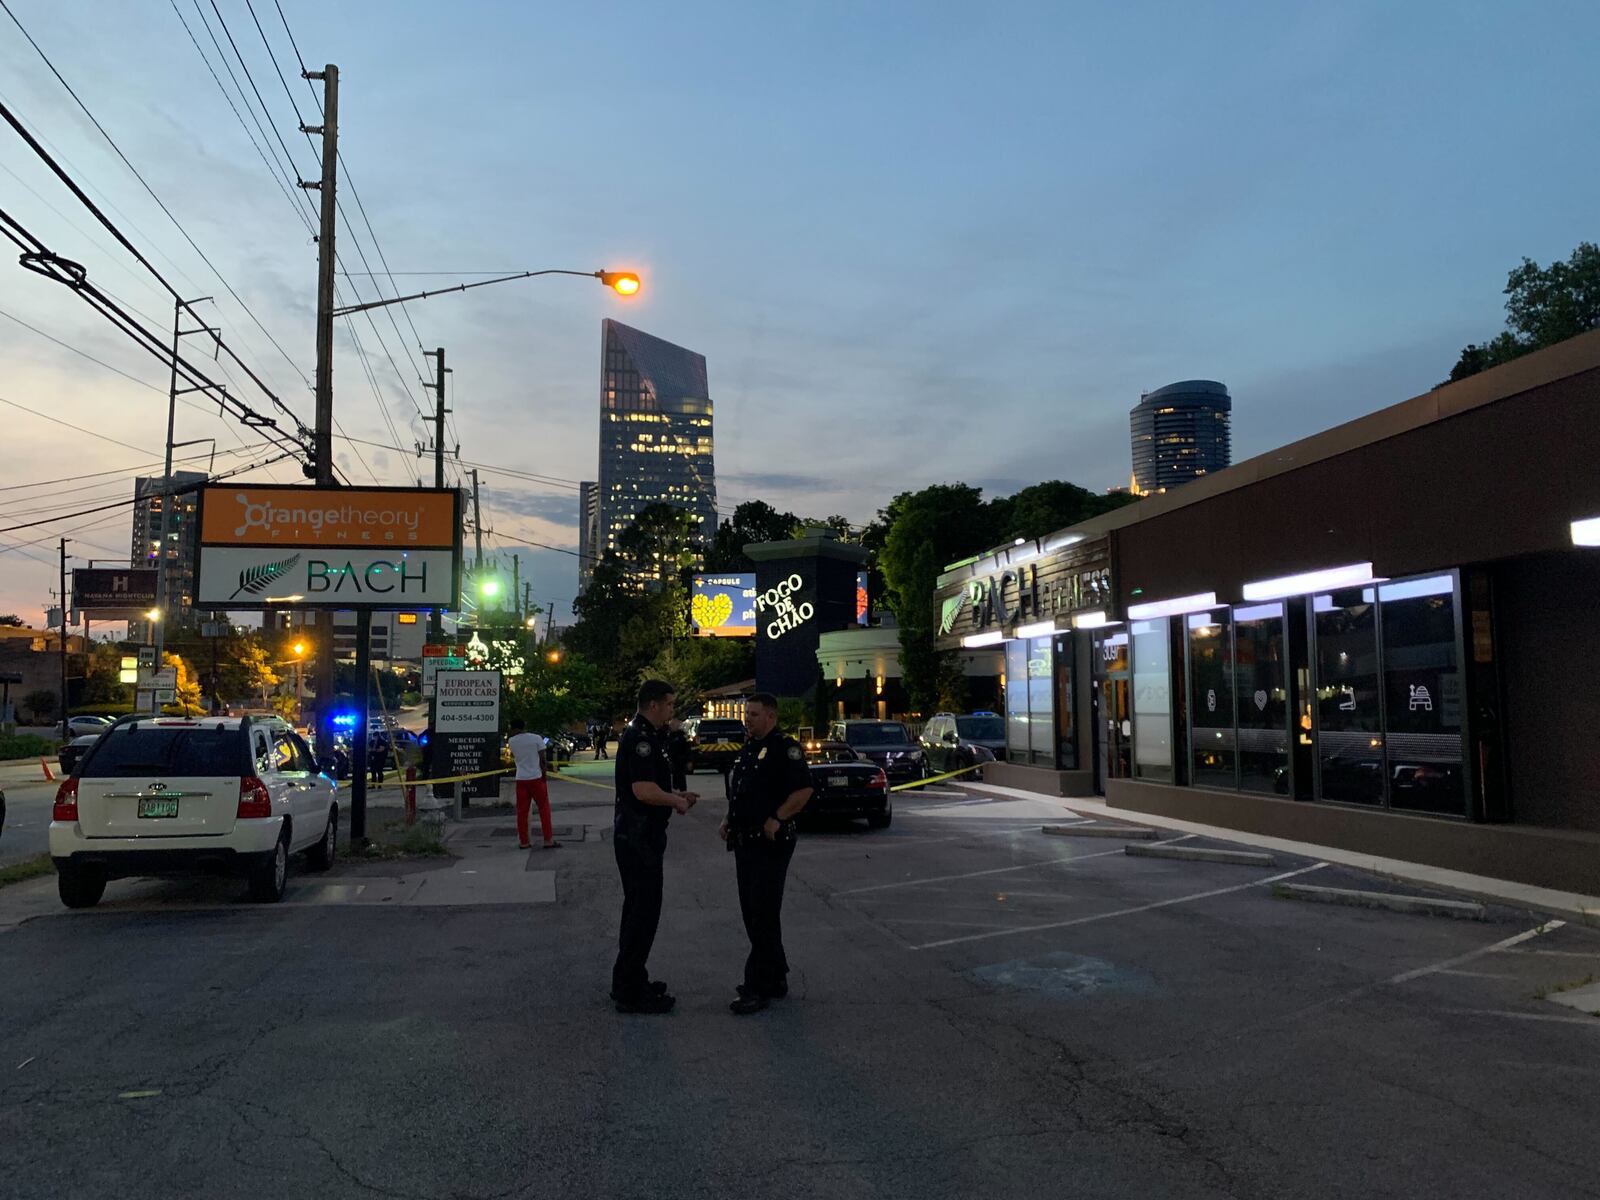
[1104, 831]
[1243, 858]
[1427, 906]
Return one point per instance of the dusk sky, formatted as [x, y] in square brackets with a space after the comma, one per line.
[916, 242]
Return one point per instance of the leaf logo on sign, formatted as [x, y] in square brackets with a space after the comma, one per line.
[255, 580]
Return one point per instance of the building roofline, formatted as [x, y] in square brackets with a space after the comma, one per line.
[1575, 356]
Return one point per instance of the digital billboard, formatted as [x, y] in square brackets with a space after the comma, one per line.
[724, 605]
[863, 601]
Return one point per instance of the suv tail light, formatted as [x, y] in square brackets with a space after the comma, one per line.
[880, 780]
[66, 806]
[254, 799]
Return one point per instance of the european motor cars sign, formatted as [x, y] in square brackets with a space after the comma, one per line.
[263, 545]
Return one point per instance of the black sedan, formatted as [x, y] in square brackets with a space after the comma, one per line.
[72, 751]
[847, 785]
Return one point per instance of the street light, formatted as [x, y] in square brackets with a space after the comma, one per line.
[624, 283]
[532, 622]
[553, 656]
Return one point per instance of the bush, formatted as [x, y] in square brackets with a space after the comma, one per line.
[25, 745]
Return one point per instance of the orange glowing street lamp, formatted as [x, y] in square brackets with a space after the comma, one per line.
[624, 283]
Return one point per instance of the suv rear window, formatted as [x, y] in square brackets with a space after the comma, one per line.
[983, 729]
[719, 729]
[167, 750]
[876, 733]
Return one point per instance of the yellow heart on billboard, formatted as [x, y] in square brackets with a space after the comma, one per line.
[711, 611]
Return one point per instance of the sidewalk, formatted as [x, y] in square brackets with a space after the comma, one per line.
[1571, 905]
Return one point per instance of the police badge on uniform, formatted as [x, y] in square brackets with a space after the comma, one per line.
[795, 753]
[762, 755]
[644, 749]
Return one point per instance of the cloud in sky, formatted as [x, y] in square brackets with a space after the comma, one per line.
[916, 244]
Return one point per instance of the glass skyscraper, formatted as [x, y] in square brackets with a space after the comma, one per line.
[183, 536]
[655, 438]
[1180, 432]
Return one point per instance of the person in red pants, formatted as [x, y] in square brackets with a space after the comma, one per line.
[527, 750]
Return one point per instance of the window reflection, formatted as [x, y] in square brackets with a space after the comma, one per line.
[1349, 720]
[1152, 701]
[1422, 695]
[1211, 737]
[1262, 698]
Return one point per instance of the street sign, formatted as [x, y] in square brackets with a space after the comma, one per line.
[431, 668]
[467, 702]
[166, 695]
[215, 629]
[147, 656]
[262, 546]
[108, 592]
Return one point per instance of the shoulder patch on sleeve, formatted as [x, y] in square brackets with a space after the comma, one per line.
[796, 754]
[643, 749]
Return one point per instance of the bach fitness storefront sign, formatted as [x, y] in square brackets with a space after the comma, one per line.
[381, 548]
[994, 594]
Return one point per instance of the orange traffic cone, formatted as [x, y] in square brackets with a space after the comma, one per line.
[49, 776]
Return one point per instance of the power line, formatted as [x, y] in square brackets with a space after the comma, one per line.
[159, 202]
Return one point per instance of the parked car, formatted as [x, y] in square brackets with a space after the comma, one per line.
[172, 796]
[952, 741]
[71, 753]
[78, 726]
[714, 742]
[886, 743]
[847, 785]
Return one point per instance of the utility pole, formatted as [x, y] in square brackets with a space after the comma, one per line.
[61, 599]
[436, 616]
[550, 624]
[516, 586]
[477, 524]
[168, 493]
[322, 442]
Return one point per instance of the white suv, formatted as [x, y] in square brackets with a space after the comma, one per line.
[170, 796]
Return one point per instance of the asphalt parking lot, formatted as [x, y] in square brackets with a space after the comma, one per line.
[976, 1009]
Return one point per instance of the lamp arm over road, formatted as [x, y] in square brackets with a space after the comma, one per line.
[624, 283]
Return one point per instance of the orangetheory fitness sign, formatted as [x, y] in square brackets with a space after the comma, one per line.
[264, 545]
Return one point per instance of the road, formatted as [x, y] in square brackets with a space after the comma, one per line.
[977, 1010]
[28, 802]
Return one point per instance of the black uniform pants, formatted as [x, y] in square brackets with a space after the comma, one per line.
[640, 847]
[762, 868]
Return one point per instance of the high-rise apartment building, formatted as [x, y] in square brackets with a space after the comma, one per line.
[1180, 432]
[183, 535]
[588, 531]
[655, 434]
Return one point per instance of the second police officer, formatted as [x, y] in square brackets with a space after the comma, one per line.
[767, 788]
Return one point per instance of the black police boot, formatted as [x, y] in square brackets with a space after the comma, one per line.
[749, 1001]
[647, 1002]
[654, 988]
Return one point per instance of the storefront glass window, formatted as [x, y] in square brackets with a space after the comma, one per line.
[1349, 716]
[1422, 695]
[1211, 739]
[1263, 698]
[1152, 701]
[1041, 701]
[1114, 724]
[1017, 701]
[1066, 735]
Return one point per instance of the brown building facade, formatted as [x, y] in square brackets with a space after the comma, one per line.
[1382, 638]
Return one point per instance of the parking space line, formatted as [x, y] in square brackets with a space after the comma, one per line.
[1523, 1016]
[1515, 940]
[1590, 954]
[1045, 862]
[1122, 912]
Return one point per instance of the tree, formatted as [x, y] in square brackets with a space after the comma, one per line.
[12, 620]
[186, 692]
[1046, 507]
[926, 531]
[257, 666]
[1544, 305]
[102, 680]
[549, 696]
[661, 543]
[41, 702]
[753, 521]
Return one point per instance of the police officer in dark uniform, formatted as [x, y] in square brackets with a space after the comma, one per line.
[678, 754]
[645, 803]
[767, 788]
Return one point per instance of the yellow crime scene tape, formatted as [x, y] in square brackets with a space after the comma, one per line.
[403, 782]
[916, 783]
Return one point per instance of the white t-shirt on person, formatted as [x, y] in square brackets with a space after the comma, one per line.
[525, 749]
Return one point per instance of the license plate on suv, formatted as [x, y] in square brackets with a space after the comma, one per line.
[158, 806]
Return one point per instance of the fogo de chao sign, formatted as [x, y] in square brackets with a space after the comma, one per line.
[263, 545]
